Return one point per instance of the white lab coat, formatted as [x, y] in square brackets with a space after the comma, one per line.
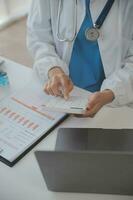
[115, 42]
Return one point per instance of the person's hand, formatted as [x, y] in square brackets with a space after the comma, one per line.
[96, 101]
[58, 84]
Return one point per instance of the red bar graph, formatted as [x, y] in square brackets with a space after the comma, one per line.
[18, 118]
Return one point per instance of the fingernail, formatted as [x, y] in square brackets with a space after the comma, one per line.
[88, 108]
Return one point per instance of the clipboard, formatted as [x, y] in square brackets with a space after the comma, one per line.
[11, 164]
[24, 123]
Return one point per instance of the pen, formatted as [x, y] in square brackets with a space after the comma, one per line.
[76, 108]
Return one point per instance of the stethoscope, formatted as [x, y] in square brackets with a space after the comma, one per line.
[91, 34]
[73, 37]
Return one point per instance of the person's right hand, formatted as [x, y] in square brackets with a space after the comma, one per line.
[59, 84]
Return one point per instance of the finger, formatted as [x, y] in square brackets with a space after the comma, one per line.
[92, 112]
[46, 88]
[89, 115]
[61, 94]
[55, 86]
[55, 89]
[50, 92]
[93, 100]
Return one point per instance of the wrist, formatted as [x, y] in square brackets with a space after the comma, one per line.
[55, 71]
[108, 96]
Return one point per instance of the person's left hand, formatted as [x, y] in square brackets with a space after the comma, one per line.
[96, 101]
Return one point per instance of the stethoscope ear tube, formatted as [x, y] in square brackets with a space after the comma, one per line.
[74, 32]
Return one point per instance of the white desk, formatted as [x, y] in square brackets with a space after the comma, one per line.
[24, 181]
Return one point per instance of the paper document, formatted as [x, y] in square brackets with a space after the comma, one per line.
[23, 122]
[75, 104]
[24, 119]
[36, 97]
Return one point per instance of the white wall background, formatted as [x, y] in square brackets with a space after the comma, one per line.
[11, 10]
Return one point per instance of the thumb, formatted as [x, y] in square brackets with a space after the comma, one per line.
[92, 101]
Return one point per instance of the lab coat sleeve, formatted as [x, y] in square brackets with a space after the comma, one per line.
[121, 81]
[40, 40]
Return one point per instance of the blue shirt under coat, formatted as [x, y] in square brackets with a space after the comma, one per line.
[86, 68]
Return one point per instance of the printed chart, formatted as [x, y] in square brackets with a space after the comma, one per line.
[18, 118]
[23, 122]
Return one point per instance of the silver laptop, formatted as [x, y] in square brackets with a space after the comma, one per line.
[89, 161]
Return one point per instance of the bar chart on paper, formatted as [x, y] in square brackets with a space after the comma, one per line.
[23, 122]
[18, 119]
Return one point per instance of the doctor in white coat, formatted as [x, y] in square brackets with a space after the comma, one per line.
[87, 43]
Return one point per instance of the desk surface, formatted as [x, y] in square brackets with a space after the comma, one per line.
[24, 181]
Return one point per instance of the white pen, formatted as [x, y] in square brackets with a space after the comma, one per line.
[77, 108]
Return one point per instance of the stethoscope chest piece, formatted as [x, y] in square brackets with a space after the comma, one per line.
[92, 34]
